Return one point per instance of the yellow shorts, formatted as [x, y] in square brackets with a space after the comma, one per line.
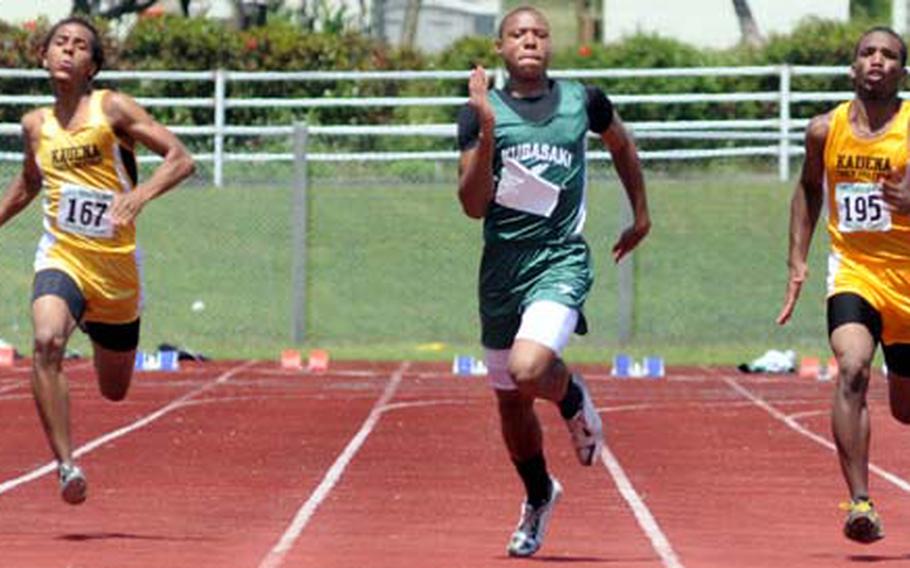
[110, 283]
[885, 287]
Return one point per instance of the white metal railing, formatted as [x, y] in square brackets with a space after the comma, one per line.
[778, 132]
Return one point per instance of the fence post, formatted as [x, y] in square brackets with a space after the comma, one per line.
[783, 156]
[218, 156]
[299, 233]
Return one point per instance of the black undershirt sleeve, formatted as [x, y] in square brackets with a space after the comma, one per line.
[597, 104]
[468, 128]
[600, 110]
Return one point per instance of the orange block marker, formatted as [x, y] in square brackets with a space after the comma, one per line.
[832, 368]
[318, 362]
[7, 356]
[809, 368]
[290, 359]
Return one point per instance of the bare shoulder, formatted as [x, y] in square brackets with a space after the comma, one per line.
[817, 130]
[32, 120]
[119, 106]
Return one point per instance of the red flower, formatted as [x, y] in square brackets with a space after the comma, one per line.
[29, 25]
[251, 43]
[585, 50]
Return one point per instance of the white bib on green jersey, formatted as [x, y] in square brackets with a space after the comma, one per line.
[539, 170]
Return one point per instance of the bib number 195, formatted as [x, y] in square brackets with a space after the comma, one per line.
[860, 207]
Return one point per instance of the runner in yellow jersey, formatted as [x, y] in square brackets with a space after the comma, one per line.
[80, 153]
[855, 156]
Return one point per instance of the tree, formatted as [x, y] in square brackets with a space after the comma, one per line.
[747, 25]
[584, 16]
[117, 8]
[409, 26]
[871, 9]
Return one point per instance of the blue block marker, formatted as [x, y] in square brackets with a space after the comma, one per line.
[653, 367]
[462, 364]
[622, 366]
[160, 361]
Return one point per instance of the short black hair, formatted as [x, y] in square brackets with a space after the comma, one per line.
[97, 47]
[886, 30]
[515, 11]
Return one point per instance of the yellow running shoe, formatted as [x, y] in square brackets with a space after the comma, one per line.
[863, 524]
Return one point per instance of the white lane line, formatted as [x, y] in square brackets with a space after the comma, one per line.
[12, 387]
[47, 468]
[276, 555]
[643, 515]
[793, 424]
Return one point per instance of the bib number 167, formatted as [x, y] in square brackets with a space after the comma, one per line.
[85, 212]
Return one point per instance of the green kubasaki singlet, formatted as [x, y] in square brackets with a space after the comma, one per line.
[532, 231]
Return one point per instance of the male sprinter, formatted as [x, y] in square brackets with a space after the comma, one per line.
[522, 170]
[80, 152]
[853, 154]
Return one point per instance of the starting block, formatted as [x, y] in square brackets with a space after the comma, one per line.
[7, 356]
[653, 367]
[625, 367]
[622, 366]
[467, 365]
[809, 368]
[318, 361]
[290, 359]
[831, 370]
[159, 361]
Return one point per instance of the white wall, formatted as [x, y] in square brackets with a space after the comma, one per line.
[18, 11]
[711, 23]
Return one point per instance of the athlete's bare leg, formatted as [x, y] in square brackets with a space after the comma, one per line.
[520, 426]
[53, 325]
[853, 347]
[115, 371]
[899, 397]
[538, 371]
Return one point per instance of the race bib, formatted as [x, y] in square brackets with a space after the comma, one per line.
[85, 211]
[520, 188]
[860, 207]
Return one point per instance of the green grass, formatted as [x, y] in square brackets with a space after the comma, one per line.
[392, 268]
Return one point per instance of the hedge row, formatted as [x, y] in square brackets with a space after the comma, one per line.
[169, 42]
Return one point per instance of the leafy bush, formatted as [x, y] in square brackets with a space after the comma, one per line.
[176, 43]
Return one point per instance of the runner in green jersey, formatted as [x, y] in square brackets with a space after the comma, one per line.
[522, 170]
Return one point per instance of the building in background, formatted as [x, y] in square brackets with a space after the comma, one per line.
[900, 16]
[18, 12]
[712, 23]
[441, 22]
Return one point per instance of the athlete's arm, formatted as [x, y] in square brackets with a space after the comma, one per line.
[130, 121]
[896, 189]
[625, 161]
[805, 208]
[475, 166]
[27, 184]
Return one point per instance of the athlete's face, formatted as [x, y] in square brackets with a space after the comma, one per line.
[877, 71]
[525, 45]
[68, 56]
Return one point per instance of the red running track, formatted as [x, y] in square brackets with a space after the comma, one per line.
[395, 465]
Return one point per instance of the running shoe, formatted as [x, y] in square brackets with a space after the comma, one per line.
[73, 487]
[585, 427]
[863, 524]
[532, 526]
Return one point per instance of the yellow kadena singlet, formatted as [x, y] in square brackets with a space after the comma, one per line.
[870, 244]
[82, 170]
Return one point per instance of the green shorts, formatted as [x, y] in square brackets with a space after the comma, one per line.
[513, 276]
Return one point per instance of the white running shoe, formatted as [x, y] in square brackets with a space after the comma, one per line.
[586, 427]
[73, 487]
[532, 526]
